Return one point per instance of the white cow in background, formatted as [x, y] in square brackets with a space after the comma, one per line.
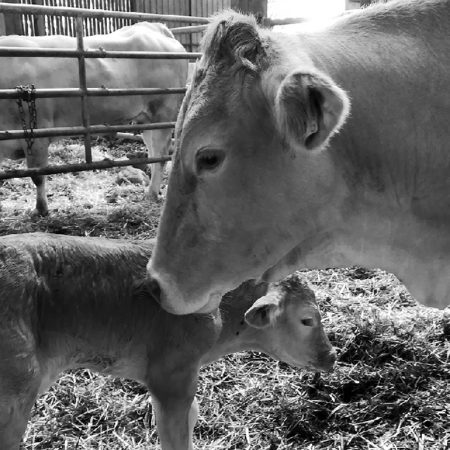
[107, 72]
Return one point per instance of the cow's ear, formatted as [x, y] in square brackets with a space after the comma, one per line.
[309, 109]
[263, 312]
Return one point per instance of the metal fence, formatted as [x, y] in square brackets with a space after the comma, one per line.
[83, 92]
[80, 21]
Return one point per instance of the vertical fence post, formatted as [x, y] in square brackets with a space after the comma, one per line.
[39, 21]
[191, 47]
[83, 87]
[255, 7]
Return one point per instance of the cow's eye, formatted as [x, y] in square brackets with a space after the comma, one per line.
[309, 322]
[208, 160]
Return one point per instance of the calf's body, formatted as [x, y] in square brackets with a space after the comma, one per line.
[69, 302]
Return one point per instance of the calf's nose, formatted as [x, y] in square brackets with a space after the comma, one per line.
[327, 360]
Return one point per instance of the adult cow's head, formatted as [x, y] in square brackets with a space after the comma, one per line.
[247, 140]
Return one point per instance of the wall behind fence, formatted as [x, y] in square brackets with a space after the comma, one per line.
[199, 8]
[29, 25]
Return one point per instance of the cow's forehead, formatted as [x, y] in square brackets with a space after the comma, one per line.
[223, 93]
[207, 90]
[232, 47]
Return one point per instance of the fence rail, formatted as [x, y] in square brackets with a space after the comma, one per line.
[79, 167]
[81, 130]
[188, 29]
[267, 22]
[90, 92]
[72, 53]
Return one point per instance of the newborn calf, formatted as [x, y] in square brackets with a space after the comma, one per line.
[69, 302]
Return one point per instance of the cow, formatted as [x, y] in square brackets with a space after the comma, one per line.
[327, 147]
[109, 73]
[70, 302]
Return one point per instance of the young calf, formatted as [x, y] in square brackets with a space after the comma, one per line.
[69, 302]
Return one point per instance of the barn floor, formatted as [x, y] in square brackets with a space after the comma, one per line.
[390, 389]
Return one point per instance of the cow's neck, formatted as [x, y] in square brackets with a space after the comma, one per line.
[374, 224]
[375, 235]
[418, 255]
[393, 210]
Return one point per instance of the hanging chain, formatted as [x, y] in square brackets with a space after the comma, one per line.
[27, 94]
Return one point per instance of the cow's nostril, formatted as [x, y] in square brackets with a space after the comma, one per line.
[154, 288]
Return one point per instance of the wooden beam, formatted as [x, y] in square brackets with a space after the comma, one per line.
[2, 25]
[13, 22]
[256, 7]
[39, 21]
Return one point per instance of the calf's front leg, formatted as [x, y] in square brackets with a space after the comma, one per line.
[20, 379]
[176, 410]
[175, 421]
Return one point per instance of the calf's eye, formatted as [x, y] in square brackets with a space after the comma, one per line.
[208, 160]
[307, 322]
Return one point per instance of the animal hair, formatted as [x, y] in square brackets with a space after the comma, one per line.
[233, 40]
[295, 284]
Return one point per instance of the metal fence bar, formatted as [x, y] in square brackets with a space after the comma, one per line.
[85, 118]
[289, 21]
[188, 29]
[91, 92]
[97, 13]
[130, 137]
[79, 167]
[71, 53]
[79, 131]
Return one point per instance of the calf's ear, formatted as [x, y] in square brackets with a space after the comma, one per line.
[309, 109]
[263, 312]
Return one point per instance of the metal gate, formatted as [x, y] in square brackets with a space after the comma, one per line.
[82, 91]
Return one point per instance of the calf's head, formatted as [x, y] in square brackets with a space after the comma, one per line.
[287, 326]
[248, 180]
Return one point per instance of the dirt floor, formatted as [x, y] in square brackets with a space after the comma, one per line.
[390, 389]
